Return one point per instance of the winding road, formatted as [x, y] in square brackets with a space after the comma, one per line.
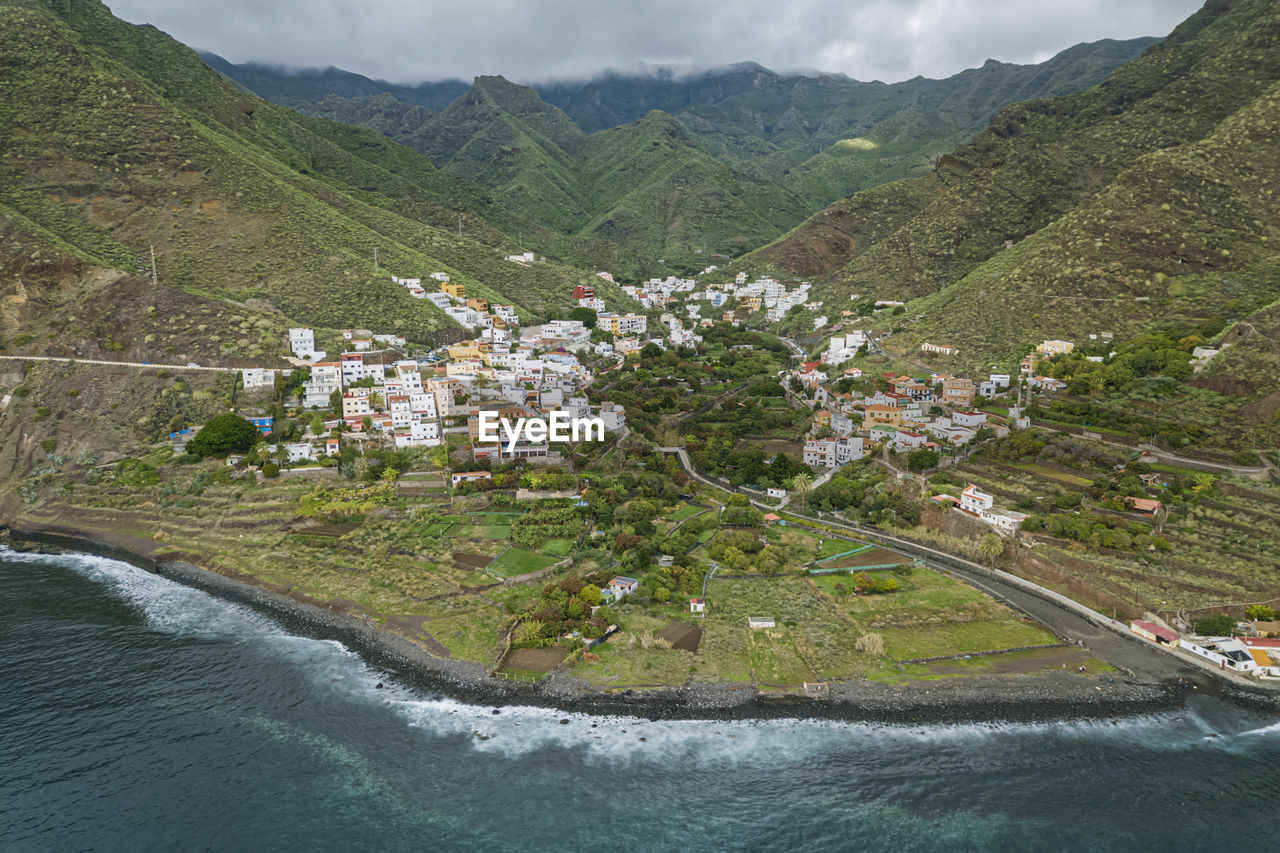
[1105, 637]
[142, 365]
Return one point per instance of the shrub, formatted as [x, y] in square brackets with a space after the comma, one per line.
[922, 459]
[1216, 625]
[226, 433]
[271, 470]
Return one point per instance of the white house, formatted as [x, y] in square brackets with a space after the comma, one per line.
[302, 342]
[830, 452]
[906, 440]
[777, 493]
[257, 377]
[623, 586]
[969, 419]
[975, 502]
[613, 415]
[299, 451]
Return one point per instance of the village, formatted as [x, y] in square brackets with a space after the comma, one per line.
[376, 393]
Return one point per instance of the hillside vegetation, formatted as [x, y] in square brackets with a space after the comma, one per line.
[117, 138]
[583, 158]
[1145, 201]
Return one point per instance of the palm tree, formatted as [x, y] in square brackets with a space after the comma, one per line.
[801, 483]
[990, 547]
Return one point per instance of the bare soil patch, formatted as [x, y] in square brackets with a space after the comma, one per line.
[874, 557]
[535, 660]
[330, 530]
[472, 561]
[682, 636]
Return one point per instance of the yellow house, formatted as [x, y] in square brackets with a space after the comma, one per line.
[752, 303]
[455, 289]
[1055, 348]
[464, 350]
[881, 415]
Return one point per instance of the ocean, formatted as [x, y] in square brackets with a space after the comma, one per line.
[138, 714]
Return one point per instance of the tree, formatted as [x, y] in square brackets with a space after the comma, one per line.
[1217, 625]
[922, 459]
[271, 470]
[226, 433]
[590, 595]
[801, 483]
[586, 316]
[990, 547]
[1260, 611]
[1161, 516]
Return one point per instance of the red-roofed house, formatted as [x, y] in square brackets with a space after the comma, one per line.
[1146, 506]
[1153, 632]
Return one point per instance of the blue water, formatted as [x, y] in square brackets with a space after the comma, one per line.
[137, 714]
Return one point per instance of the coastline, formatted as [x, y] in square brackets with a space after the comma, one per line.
[971, 699]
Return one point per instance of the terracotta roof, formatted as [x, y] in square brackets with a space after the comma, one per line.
[1162, 633]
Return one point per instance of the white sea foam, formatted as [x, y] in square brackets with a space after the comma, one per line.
[519, 730]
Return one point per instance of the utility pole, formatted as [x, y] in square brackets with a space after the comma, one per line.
[459, 226]
[375, 260]
[155, 281]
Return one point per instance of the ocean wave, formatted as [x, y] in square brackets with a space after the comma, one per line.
[517, 731]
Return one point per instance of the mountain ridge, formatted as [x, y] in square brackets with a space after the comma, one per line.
[787, 129]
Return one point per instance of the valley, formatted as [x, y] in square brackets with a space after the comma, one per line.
[1024, 317]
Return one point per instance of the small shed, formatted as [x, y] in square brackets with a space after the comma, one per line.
[697, 605]
[1154, 633]
[755, 622]
[772, 518]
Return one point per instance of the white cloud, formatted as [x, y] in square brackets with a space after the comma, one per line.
[408, 41]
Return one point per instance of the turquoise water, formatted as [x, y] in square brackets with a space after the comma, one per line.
[137, 714]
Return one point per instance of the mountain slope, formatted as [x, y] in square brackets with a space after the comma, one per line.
[646, 185]
[117, 139]
[1145, 202]
[821, 136]
[291, 89]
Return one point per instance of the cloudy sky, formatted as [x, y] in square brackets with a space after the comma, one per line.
[408, 41]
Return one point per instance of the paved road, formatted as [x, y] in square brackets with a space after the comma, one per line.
[1110, 640]
[143, 365]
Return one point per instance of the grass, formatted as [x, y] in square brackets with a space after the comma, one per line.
[557, 547]
[518, 561]
[961, 638]
[832, 547]
[685, 511]
[486, 531]
[1054, 474]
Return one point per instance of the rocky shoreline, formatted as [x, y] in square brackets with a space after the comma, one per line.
[1024, 699]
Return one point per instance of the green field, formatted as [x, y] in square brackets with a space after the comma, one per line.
[557, 547]
[1054, 474]
[517, 561]
[685, 511]
[831, 547]
[485, 531]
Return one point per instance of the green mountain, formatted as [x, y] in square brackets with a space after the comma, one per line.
[292, 89]
[118, 139]
[821, 136]
[1144, 202]
[646, 185]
